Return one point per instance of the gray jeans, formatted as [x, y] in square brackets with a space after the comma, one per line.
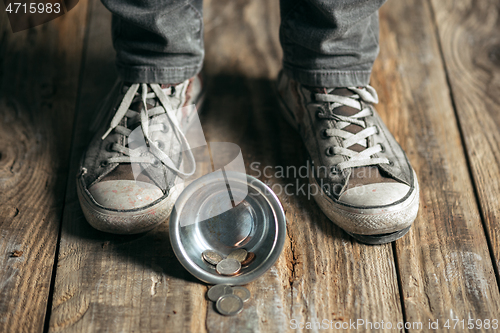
[326, 43]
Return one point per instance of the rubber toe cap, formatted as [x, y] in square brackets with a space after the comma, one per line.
[124, 194]
[379, 194]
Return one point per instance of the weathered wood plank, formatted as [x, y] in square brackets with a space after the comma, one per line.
[106, 282]
[469, 32]
[444, 263]
[38, 87]
[322, 274]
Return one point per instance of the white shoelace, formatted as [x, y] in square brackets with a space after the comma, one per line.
[355, 159]
[153, 154]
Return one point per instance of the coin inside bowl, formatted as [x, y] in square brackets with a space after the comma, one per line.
[206, 216]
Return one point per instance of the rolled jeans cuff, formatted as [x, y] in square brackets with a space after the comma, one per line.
[328, 78]
[147, 74]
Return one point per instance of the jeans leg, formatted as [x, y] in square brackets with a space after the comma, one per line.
[157, 41]
[329, 43]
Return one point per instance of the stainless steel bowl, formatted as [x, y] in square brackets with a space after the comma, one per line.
[204, 218]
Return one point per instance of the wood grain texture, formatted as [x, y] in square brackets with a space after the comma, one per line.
[469, 32]
[39, 71]
[322, 273]
[241, 38]
[444, 263]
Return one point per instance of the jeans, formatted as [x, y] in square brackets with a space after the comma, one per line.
[326, 43]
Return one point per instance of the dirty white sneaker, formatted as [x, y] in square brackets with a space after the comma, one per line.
[367, 185]
[130, 174]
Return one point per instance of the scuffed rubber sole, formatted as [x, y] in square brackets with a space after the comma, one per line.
[380, 239]
[126, 222]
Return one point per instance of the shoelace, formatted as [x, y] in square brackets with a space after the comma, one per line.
[355, 159]
[143, 154]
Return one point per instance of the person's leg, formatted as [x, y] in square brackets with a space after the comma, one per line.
[157, 41]
[329, 43]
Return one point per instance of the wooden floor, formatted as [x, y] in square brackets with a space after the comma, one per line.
[438, 78]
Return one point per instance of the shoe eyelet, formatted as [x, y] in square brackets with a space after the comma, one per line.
[329, 151]
[323, 134]
[334, 169]
[165, 128]
[382, 147]
[378, 129]
[160, 144]
[104, 164]
[391, 163]
[109, 147]
[156, 163]
[319, 113]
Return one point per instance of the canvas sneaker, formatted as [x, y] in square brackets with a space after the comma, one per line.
[366, 183]
[132, 171]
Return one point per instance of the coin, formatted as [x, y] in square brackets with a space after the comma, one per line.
[218, 291]
[228, 266]
[250, 257]
[211, 257]
[242, 293]
[239, 254]
[229, 305]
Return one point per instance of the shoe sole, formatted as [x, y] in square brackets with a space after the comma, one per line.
[402, 214]
[380, 239]
[359, 222]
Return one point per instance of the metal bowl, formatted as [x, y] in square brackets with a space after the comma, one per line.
[225, 211]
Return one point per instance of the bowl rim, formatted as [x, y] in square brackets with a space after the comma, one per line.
[279, 237]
